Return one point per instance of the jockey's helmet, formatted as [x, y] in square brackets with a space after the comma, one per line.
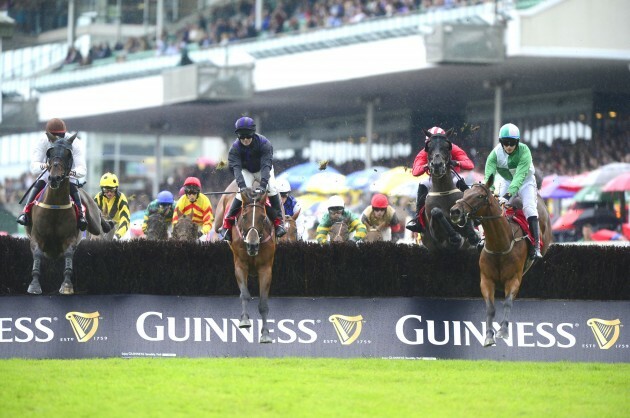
[509, 134]
[336, 203]
[283, 186]
[165, 197]
[56, 126]
[109, 180]
[379, 201]
[192, 183]
[436, 130]
[245, 127]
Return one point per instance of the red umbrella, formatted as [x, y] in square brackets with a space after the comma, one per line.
[574, 183]
[621, 183]
[606, 235]
[565, 222]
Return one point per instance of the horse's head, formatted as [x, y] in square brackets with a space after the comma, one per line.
[185, 230]
[438, 148]
[339, 232]
[59, 159]
[477, 202]
[253, 219]
[157, 228]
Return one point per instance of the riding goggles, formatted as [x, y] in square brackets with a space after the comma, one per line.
[108, 189]
[245, 135]
[191, 190]
[284, 194]
[508, 142]
[335, 210]
[378, 209]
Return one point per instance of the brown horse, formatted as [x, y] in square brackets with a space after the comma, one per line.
[185, 230]
[504, 259]
[374, 234]
[53, 231]
[291, 227]
[339, 232]
[157, 229]
[253, 247]
[224, 204]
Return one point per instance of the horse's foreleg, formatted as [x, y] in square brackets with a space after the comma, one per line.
[511, 289]
[455, 240]
[241, 278]
[264, 282]
[487, 291]
[66, 287]
[35, 288]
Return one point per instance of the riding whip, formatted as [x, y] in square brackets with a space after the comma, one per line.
[29, 189]
[216, 193]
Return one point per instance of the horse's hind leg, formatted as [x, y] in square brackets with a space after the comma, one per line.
[66, 287]
[487, 291]
[241, 278]
[35, 288]
[264, 280]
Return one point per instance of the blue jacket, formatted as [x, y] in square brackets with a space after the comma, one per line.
[290, 205]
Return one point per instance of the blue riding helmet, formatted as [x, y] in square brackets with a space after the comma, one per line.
[165, 197]
[245, 125]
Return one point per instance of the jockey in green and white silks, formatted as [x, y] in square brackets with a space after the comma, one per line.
[512, 160]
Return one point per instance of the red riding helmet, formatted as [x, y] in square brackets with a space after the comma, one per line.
[436, 130]
[379, 201]
[192, 181]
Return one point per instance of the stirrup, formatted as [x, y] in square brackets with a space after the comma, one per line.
[82, 223]
[227, 235]
[413, 226]
[280, 231]
[22, 219]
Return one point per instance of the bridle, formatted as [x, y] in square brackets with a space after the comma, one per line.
[340, 231]
[53, 159]
[255, 205]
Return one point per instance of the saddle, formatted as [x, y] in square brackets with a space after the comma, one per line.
[517, 215]
[37, 202]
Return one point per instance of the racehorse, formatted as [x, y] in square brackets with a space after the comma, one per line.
[291, 227]
[185, 230]
[106, 236]
[441, 234]
[253, 247]
[504, 259]
[374, 234]
[53, 230]
[157, 229]
[339, 232]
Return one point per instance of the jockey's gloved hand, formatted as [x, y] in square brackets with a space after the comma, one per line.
[503, 200]
[242, 186]
[258, 190]
[454, 164]
[43, 166]
[116, 237]
[72, 173]
[359, 242]
[199, 233]
[263, 184]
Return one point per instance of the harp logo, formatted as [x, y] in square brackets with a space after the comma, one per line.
[84, 325]
[606, 332]
[348, 328]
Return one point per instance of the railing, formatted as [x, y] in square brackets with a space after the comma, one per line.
[27, 62]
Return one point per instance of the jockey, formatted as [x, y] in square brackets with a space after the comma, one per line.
[250, 158]
[291, 206]
[460, 162]
[195, 205]
[113, 203]
[164, 204]
[337, 212]
[57, 128]
[512, 160]
[382, 216]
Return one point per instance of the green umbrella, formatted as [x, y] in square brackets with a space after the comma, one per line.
[593, 193]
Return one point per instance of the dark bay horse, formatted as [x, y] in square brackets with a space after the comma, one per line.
[185, 230]
[374, 234]
[441, 234]
[53, 231]
[253, 247]
[157, 229]
[339, 232]
[504, 259]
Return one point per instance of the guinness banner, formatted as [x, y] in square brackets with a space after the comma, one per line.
[389, 328]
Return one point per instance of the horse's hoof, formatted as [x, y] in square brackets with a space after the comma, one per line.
[245, 323]
[503, 334]
[265, 339]
[34, 288]
[66, 289]
[489, 342]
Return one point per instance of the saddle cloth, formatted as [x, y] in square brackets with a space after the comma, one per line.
[29, 207]
[518, 216]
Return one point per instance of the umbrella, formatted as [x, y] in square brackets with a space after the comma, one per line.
[409, 189]
[565, 222]
[362, 179]
[325, 183]
[621, 183]
[298, 174]
[574, 183]
[390, 179]
[593, 193]
[596, 216]
[552, 189]
[607, 235]
[309, 202]
[606, 173]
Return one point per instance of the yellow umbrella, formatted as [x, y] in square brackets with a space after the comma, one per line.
[325, 183]
[393, 178]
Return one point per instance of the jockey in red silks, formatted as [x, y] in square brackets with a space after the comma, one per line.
[420, 166]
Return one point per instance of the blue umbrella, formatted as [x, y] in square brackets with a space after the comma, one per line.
[362, 179]
[298, 174]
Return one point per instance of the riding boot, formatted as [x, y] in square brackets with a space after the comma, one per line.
[76, 196]
[535, 228]
[414, 224]
[229, 219]
[24, 218]
[277, 221]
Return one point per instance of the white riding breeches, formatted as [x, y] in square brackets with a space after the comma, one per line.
[249, 181]
[528, 193]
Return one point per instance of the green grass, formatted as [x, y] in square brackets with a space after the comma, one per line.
[292, 387]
